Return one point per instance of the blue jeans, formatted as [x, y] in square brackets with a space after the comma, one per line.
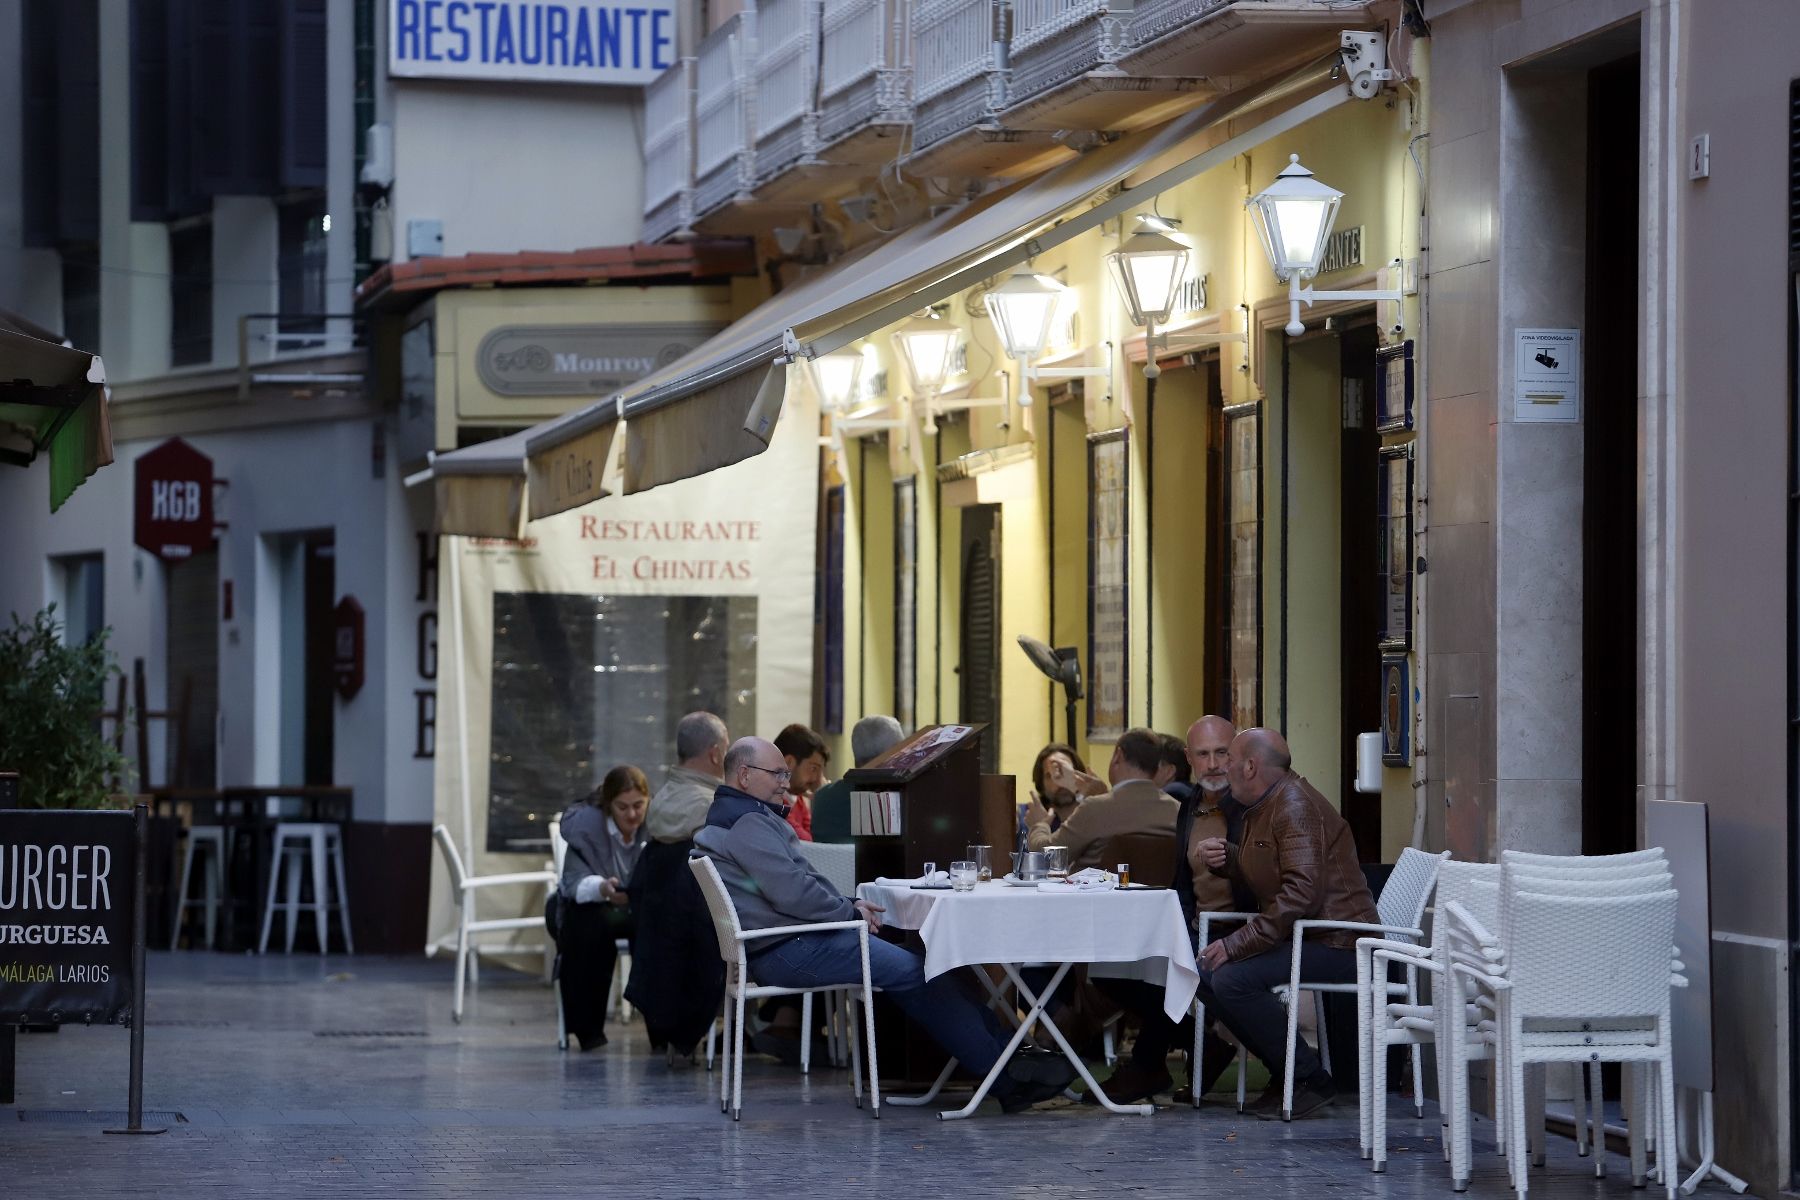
[968, 1029]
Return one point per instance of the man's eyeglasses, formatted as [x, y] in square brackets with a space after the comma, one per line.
[783, 775]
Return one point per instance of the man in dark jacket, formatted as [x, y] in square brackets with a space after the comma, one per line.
[758, 857]
[1297, 857]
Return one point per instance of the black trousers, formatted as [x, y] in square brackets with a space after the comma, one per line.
[589, 949]
[1238, 994]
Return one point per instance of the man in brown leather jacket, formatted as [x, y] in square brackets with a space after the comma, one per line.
[1297, 857]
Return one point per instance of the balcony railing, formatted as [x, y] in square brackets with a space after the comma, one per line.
[669, 152]
[959, 66]
[1054, 41]
[725, 114]
[865, 78]
[787, 85]
[1152, 19]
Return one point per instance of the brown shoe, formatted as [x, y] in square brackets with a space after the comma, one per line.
[1267, 1104]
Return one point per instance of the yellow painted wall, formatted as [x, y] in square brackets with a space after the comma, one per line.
[1360, 149]
[1176, 446]
[1315, 572]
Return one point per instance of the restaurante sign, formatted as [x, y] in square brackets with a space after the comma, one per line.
[66, 911]
[580, 360]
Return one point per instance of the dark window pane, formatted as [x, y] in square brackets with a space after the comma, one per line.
[301, 267]
[190, 294]
[81, 294]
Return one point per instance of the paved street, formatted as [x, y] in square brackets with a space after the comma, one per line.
[348, 1075]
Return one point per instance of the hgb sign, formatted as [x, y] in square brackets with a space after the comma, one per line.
[172, 507]
[66, 897]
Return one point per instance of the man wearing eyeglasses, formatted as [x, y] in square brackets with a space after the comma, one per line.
[772, 884]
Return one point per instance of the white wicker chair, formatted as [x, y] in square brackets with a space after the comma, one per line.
[739, 988]
[464, 888]
[1401, 909]
[1485, 972]
[1206, 920]
[837, 863]
[1384, 1023]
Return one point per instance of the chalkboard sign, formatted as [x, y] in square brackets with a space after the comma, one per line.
[66, 913]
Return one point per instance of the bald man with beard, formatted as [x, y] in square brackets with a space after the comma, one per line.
[1202, 817]
[1297, 858]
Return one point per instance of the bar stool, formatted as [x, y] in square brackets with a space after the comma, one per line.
[213, 838]
[296, 841]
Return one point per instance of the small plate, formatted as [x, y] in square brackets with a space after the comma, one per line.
[1012, 881]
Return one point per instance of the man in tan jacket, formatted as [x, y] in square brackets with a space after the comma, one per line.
[1295, 854]
[1134, 805]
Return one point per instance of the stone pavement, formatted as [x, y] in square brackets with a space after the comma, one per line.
[347, 1077]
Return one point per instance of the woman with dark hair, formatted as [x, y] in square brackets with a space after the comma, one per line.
[1060, 781]
[606, 836]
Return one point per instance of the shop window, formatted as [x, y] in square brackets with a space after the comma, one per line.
[300, 268]
[1234, 660]
[190, 293]
[80, 586]
[1109, 625]
[906, 601]
[81, 295]
[584, 683]
[829, 605]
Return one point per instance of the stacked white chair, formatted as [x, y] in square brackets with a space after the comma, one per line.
[740, 988]
[1579, 971]
[1384, 1023]
[320, 847]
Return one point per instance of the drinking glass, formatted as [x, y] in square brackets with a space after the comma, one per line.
[1056, 861]
[984, 866]
[962, 876]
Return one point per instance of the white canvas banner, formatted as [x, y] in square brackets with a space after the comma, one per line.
[578, 648]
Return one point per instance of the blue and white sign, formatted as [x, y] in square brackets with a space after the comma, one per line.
[540, 41]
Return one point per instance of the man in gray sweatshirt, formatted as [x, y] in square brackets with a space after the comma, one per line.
[758, 856]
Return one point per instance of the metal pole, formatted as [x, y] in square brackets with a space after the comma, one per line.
[8, 1039]
[134, 1122]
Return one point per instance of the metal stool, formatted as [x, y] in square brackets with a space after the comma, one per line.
[214, 839]
[319, 841]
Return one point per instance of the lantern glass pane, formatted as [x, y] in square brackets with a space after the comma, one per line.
[1300, 226]
[835, 377]
[1154, 277]
[1023, 320]
[928, 353]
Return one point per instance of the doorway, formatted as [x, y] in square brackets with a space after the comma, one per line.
[980, 634]
[191, 644]
[305, 586]
[1609, 535]
[1362, 590]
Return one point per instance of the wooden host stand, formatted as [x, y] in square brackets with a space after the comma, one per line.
[944, 805]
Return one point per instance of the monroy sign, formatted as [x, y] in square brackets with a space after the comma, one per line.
[66, 885]
[543, 41]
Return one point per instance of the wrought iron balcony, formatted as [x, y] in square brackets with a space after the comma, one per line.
[786, 78]
[725, 115]
[1228, 41]
[669, 153]
[865, 80]
[959, 67]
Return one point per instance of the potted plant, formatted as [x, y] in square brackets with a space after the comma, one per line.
[51, 696]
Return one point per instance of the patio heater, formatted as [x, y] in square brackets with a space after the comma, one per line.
[1063, 665]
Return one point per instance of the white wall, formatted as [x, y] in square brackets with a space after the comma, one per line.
[511, 167]
[289, 479]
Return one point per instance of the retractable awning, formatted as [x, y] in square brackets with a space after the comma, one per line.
[698, 413]
[52, 399]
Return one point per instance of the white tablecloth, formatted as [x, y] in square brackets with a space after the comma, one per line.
[1000, 924]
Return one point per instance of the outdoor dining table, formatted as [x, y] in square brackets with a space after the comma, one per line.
[1012, 926]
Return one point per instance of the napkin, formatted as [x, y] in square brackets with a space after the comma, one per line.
[1090, 880]
[931, 880]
